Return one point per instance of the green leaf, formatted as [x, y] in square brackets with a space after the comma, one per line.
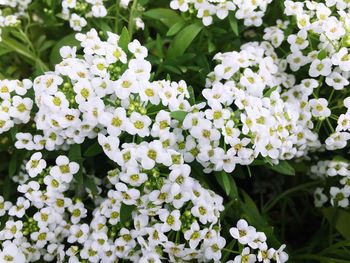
[178, 115]
[228, 184]
[93, 150]
[340, 158]
[90, 183]
[322, 54]
[184, 39]
[267, 94]
[69, 40]
[125, 213]
[192, 96]
[176, 28]
[124, 39]
[167, 16]
[224, 181]
[4, 51]
[75, 155]
[283, 167]
[340, 221]
[234, 24]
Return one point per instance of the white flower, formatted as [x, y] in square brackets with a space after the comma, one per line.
[320, 67]
[139, 124]
[64, 169]
[171, 220]
[320, 108]
[339, 197]
[139, 51]
[11, 253]
[245, 257]
[243, 232]
[194, 235]
[76, 22]
[319, 197]
[35, 165]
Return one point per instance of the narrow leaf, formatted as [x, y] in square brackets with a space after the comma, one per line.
[184, 39]
[283, 167]
[167, 16]
[178, 115]
[124, 39]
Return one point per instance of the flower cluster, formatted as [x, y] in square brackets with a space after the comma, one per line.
[15, 108]
[11, 11]
[255, 109]
[320, 26]
[319, 46]
[250, 11]
[171, 215]
[77, 11]
[255, 246]
[143, 213]
[108, 91]
[335, 178]
[340, 137]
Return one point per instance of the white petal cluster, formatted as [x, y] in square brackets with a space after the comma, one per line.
[341, 135]
[319, 41]
[15, 106]
[78, 11]
[165, 206]
[255, 245]
[250, 11]
[108, 92]
[335, 178]
[255, 110]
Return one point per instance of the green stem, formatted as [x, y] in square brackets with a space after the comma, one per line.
[298, 188]
[231, 251]
[131, 22]
[330, 125]
[116, 22]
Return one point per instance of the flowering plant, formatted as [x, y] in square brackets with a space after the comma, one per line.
[174, 131]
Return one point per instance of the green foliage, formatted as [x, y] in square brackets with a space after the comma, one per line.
[180, 45]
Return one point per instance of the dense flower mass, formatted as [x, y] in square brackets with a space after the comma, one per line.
[250, 11]
[256, 108]
[150, 131]
[143, 213]
[107, 92]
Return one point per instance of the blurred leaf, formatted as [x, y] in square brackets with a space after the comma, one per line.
[4, 50]
[341, 221]
[192, 95]
[234, 24]
[283, 167]
[228, 184]
[322, 54]
[124, 39]
[176, 28]
[125, 213]
[267, 94]
[93, 150]
[178, 115]
[90, 183]
[184, 39]
[167, 16]
[75, 155]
